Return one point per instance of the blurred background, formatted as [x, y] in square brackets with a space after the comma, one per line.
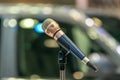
[27, 53]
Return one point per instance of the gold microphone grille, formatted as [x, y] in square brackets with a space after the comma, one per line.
[46, 23]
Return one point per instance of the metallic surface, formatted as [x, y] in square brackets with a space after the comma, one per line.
[58, 34]
[85, 60]
[52, 28]
[62, 75]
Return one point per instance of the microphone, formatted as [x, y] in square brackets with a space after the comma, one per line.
[52, 29]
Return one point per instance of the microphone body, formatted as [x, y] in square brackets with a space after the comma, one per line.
[53, 30]
[68, 45]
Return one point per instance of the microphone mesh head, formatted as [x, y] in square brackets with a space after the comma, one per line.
[46, 23]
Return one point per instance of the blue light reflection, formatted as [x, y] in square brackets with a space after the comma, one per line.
[38, 28]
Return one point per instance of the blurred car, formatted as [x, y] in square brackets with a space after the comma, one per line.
[26, 52]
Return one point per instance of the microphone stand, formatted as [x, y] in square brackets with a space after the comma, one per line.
[62, 60]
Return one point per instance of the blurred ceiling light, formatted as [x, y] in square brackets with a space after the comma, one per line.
[38, 28]
[97, 21]
[12, 78]
[14, 10]
[47, 10]
[78, 75]
[89, 22]
[118, 49]
[34, 10]
[50, 43]
[76, 15]
[93, 34]
[95, 57]
[28, 23]
[34, 76]
[12, 23]
[25, 8]
[5, 22]
[15, 78]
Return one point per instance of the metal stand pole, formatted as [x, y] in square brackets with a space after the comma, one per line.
[62, 73]
[62, 59]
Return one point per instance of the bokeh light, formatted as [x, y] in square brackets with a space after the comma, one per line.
[38, 28]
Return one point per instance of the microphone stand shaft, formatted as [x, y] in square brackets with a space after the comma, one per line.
[62, 72]
[62, 59]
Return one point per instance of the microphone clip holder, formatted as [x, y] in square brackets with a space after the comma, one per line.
[62, 60]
